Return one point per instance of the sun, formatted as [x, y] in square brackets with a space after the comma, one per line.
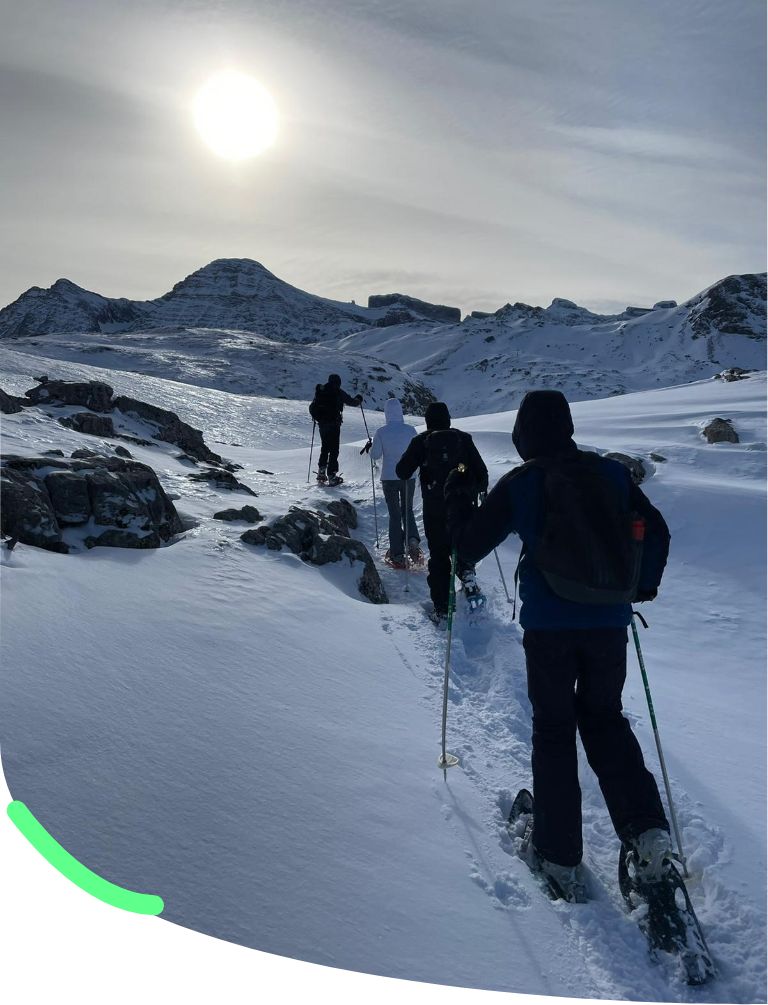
[235, 115]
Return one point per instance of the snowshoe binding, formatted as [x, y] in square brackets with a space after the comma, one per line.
[415, 555]
[322, 477]
[473, 594]
[334, 480]
[655, 893]
[560, 882]
[439, 618]
[395, 563]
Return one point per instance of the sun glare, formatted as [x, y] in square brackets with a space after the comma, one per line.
[235, 115]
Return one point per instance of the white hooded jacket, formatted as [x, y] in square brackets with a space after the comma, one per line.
[391, 440]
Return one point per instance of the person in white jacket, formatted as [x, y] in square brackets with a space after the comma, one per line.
[389, 444]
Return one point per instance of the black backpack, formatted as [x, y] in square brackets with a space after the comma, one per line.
[590, 548]
[443, 451]
[325, 404]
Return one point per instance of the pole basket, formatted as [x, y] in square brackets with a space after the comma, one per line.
[447, 761]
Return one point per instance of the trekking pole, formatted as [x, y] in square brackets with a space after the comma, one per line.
[483, 497]
[448, 760]
[501, 573]
[311, 448]
[373, 480]
[637, 614]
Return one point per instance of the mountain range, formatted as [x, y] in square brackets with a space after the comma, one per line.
[234, 325]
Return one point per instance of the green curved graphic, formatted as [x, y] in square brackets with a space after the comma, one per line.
[59, 858]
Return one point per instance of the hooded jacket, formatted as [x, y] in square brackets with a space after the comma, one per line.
[330, 399]
[458, 444]
[544, 428]
[391, 440]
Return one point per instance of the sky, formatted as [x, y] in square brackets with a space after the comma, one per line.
[606, 151]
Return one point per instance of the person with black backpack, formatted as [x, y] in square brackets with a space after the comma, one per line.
[326, 408]
[436, 452]
[592, 545]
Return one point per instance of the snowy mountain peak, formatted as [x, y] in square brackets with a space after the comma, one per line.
[227, 276]
[734, 306]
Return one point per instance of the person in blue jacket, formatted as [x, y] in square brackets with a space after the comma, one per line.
[575, 652]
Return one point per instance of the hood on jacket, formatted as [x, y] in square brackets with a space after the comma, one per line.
[544, 426]
[334, 380]
[437, 416]
[393, 410]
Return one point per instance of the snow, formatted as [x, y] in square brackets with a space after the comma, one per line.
[246, 736]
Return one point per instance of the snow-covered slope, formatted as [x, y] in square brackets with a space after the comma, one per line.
[242, 734]
[488, 363]
[241, 362]
[480, 364]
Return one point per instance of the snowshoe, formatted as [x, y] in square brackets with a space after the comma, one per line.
[334, 480]
[664, 912]
[415, 555]
[560, 882]
[322, 477]
[395, 563]
[438, 618]
[473, 594]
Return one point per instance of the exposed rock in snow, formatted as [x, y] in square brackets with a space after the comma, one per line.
[720, 431]
[664, 305]
[222, 479]
[733, 373]
[734, 306]
[169, 428]
[87, 422]
[121, 502]
[10, 404]
[91, 394]
[320, 539]
[432, 312]
[249, 514]
[345, 511]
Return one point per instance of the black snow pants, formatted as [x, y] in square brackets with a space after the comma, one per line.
[575, 679]
[439, 544]
[330, 433]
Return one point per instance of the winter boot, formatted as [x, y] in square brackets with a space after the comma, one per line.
[335, 479]
[439, 618]
[415, 553]
[397, 562]
[473, 593]
[565, 882]
[322, 477]
[652, 854]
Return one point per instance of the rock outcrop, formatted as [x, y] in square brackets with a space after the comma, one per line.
[10, 404]
[121, 501]
[248, 514]
[720, 431]
[320, 538]
[432, 312]
[87, 422]
[169, 428]
[92, 394]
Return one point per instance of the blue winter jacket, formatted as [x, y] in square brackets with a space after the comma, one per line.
[514, 506]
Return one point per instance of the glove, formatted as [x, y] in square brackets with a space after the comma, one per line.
[367, 448]
[644, 595]
[358, 399]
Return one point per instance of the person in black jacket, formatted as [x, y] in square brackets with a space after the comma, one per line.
[575, 652]
[326, 408]
[436, 453]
